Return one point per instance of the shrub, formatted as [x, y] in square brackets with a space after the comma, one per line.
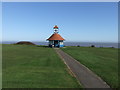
[112, 47]
[92, 45]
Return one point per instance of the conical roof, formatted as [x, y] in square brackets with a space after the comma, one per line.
[55, 36]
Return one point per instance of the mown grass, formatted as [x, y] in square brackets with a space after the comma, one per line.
[27, 66]
[102, 61]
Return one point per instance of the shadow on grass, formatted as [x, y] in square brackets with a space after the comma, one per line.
[42, 46]
[33, 45]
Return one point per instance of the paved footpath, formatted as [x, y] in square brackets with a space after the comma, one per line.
[86, 77]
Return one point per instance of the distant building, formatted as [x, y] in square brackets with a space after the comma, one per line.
[55, 40]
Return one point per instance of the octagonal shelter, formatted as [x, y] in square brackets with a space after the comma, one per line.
[55, 40]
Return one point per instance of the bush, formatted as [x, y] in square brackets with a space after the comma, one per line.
[112, 47]
[92, 45]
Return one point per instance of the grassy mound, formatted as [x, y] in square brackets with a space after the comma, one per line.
[25, 43]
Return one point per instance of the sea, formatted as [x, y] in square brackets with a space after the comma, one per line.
[84, 44]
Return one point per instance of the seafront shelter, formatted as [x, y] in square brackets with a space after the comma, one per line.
[55, 40]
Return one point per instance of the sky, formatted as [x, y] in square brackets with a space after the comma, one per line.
[77, 21]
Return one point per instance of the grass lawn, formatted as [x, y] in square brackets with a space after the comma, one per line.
[102, 61]
[34, 67]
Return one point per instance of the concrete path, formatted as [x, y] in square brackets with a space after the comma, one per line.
[86, 77]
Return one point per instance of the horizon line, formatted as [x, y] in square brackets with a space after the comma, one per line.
[60, 1]
[64, 41]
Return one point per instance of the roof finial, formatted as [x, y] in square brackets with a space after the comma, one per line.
[55, 29]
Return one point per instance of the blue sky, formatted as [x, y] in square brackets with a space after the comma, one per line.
[77, 21]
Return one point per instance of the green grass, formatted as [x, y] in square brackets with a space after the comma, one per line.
[34, 67]
[102, 61]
